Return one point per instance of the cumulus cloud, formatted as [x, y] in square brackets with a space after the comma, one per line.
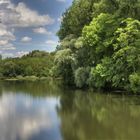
[19, 16]
[26, 39]
[21, 53]
[6, 55]
[4, 1]
[51, 43]
[24, 119]
[6, 33]
[61, 0]
[13, 55]
[6, 36]
[41, 30]
[3, 42]
[8, 46]
[60, 19]
[22, 16]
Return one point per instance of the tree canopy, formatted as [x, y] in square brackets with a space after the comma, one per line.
[104, 39]
[37, 63]
[99, 47]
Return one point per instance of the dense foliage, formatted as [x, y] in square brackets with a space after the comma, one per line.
[99, 48]
[37, 63]
[103, 41]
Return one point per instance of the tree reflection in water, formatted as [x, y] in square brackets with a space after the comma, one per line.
[58, 113]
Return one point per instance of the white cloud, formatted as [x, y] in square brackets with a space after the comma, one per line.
[3, 42]
[60, 19]
[22, 16]
[15, 16]
[13, 55]
[26, 39]
[61, 0]
[6, 36]
[5, 32]
[6, 55]
[31, 120]
[8, 46]
[21, 53]
[41, 30]
[4, 1]
[51, 43]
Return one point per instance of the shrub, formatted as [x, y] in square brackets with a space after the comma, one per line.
[135, 82]
[81, 76]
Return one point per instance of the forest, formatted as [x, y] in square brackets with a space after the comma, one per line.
[99, 48]
[33, 65]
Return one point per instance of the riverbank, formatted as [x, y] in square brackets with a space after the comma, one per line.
[24, 78]
[45, 102]
[35, 78]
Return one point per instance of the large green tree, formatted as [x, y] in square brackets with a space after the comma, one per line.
[103, 36]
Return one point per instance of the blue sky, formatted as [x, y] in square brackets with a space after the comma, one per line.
[27, 25]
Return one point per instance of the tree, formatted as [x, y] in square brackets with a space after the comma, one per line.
[28, 71]
[81, 76]
[37, 63]
[101, 75]
[64, 63]
[129, 8]
[76, 17]
[134, 80]
[104, 38]
[9, 69]
[126, 55]
[98, 37]
[0, 57]
[115, 70]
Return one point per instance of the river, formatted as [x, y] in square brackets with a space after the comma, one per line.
[48, 111]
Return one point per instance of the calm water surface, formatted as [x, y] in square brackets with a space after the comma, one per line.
[46, 111]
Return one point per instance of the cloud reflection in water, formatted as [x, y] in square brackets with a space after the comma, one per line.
[23, 117]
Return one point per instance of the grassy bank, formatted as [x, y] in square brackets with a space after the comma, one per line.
[24, 78]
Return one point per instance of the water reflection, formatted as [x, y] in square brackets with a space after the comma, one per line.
[100, 117]
[47, 111]
[24, 117]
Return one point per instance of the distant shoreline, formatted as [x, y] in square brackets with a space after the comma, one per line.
[24, 78]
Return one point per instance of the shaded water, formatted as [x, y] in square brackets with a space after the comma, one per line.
[47, 111]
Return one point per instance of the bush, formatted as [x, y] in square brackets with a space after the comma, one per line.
[97, 78]
[135, 82]
[19, 77]
[81, 76]
[101, 75]
[31, 78]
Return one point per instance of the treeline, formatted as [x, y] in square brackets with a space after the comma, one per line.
[99, 48]
[36, 63]
[100, 45]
